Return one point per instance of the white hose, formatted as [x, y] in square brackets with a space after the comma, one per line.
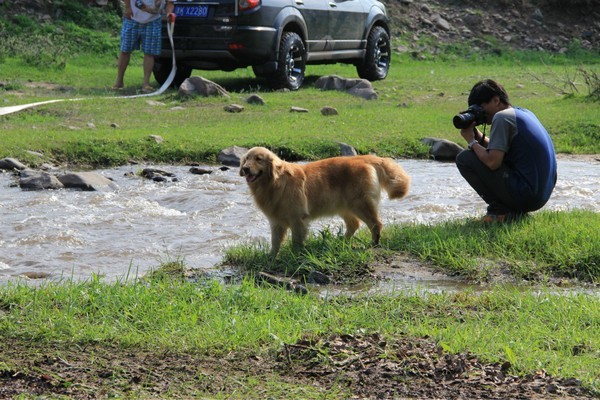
[170, 27]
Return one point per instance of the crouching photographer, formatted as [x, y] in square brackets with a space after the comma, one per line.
[514, 169]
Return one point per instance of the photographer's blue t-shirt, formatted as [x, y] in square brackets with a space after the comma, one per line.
[529, 155]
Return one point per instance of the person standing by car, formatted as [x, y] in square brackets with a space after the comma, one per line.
[142, 28]
[514, 170]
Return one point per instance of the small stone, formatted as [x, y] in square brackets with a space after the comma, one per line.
[255, 99]
[234, 108]
[200, 171]
[328, 111]
[298, 109]
[157, 138]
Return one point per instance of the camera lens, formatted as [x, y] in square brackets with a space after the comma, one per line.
[463, 120]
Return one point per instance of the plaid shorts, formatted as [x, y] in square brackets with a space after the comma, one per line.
[147, 35]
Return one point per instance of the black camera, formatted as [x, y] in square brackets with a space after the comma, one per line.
[475, 113]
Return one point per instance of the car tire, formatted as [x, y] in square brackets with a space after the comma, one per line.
[291, 63]
[162, 70]
[376, 64]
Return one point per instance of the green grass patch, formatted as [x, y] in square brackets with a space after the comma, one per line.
[417, 100]
[329, 253]
[531, 329]
[544, 246]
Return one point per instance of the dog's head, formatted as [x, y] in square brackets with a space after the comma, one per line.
[259, 164]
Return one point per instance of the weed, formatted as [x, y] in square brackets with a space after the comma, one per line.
[592, 81]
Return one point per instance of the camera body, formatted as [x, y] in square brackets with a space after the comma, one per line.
[475, 113]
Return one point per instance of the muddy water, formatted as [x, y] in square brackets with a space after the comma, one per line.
[67, 233]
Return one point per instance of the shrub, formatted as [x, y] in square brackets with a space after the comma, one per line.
[87, 17]
[592, 81]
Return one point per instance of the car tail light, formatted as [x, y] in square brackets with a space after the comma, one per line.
[235, 46]
[248, 4]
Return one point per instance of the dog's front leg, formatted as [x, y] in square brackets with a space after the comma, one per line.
[299, 233]
[278, 234]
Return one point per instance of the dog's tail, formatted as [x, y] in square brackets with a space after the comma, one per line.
[392, 177]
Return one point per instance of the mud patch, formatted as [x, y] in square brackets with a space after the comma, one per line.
[416, 368]
[361, 366]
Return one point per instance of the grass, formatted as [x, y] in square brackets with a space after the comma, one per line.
[545, 246]
[532, 329]
[417, 100]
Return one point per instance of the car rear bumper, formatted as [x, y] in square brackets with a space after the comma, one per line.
[227, 47]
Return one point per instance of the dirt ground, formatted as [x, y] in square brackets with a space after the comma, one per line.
[360, 366]
[349, 367]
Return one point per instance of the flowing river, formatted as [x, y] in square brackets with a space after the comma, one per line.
[74, 234]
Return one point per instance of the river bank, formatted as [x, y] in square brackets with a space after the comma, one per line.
[73, 234]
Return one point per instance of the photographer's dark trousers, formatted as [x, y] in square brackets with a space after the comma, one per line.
[491, 186]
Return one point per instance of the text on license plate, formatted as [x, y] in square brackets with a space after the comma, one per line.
[191, 11]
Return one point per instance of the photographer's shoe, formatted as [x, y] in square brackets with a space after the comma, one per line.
[501, 218]
[490, 218]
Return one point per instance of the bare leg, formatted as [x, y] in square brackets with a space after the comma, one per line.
[148, 66]
[121, 67]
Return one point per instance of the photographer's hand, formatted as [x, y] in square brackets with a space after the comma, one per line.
[490, 158]
[470, 133]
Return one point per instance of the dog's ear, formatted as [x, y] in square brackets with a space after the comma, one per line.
[242, 162]
[276, 167]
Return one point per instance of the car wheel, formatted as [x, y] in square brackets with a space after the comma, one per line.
[376, 64]
[162, 70]
[291, 63]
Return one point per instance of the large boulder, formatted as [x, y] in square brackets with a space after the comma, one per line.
[11, 164]
[199, 86]
[38, 180]
[347, 150]
[88, 181]
[442, 149]
[356, 87]
[231, 156]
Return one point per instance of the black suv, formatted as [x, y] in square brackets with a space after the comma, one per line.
[277, 38]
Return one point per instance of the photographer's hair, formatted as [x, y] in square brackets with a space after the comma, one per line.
[485, 90]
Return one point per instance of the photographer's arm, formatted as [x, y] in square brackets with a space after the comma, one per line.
[491, 158]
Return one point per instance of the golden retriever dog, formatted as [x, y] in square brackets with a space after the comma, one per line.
[291, 195]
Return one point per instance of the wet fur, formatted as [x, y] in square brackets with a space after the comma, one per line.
[291, 195]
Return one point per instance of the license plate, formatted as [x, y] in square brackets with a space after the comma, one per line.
[191, 11]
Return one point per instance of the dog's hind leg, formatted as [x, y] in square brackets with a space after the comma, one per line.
[376, 228]
[278, 234]
[369, 215]
[352, 224]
